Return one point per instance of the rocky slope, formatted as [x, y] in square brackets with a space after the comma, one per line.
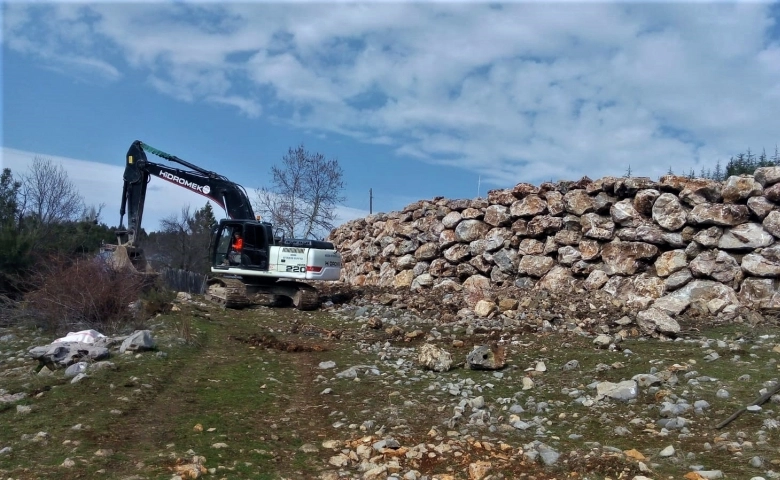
[655, 251]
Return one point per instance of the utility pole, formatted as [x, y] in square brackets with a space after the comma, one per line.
[370, 201]
[479, 185]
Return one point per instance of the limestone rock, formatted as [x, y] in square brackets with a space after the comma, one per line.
[698, 191]
[457, 253]
[535, 265]
[695, 291]
[644, 200]
[484, 308]
[747, 236]
[487, 357]
[597, 226]
[624, 214]
[772, 223]
[554, 201]
[578, 202]
[670, 262]
[452, 219]
[623, 391]
[655, 320]
[568, 255]
[530, 246]
[470, 230]
[673, 183]
[434, 358]
[427, 251]
[544, 224]
[403, 279]
[677, 279]
[737, 188]
[717, 265]
[500, 197]
[506, 259]
[760, 206]
[138, 341]
[529, 206]
[624, 257]
[476, 288]
[626, 187]
[726, 215]
[668, 212]
[522, 190]
[758, 266]
[596, 279]
[497, 215]
[767, 176]
[558, 278]
[589, 249]
[709, 237]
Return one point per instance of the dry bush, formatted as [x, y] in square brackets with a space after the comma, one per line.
[69, 295]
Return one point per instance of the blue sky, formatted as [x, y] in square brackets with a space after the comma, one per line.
[415, 100]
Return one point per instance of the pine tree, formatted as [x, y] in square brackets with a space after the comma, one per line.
[628, 172]
[718, 174]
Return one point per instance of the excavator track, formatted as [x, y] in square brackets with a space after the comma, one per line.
[233, 293]
[228, 292]
[306, 298]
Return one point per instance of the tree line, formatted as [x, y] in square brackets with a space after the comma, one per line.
[741, 164]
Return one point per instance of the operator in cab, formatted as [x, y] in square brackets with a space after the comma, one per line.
[236, 247]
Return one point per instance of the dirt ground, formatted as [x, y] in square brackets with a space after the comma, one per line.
[277, 393]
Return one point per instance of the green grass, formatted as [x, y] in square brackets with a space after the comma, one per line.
[264, 404]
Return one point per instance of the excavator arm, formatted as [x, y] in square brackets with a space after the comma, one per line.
[139, 171]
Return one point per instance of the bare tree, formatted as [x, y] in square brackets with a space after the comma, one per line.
[48, 195]
[183, 240]
[305, 191]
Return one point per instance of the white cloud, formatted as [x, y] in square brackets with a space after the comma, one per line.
[100, 183]
[525, 91]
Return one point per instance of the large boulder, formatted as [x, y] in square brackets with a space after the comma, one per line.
[718, 265]
[597, 226]
[668, 212]
[497, 215]
[644, 200]
[654, 321]
[737, 188]
[698, 191]
[535, 265]
[695, 291]
[625, 258]
[747, 236]
[725, 215]
[470, 230]
[670, 262]
[578, 202]
[530, 206]
[624, 214]
[767, 176]
[760, 206]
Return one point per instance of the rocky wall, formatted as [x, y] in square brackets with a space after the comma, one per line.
[660, 247]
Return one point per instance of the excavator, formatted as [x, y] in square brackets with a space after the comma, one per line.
[265, 265]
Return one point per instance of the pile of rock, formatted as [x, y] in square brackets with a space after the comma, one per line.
[662, 247]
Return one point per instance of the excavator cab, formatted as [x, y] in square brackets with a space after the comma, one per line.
[253, 254]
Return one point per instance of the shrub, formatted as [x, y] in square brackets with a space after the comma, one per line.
[68, 295]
